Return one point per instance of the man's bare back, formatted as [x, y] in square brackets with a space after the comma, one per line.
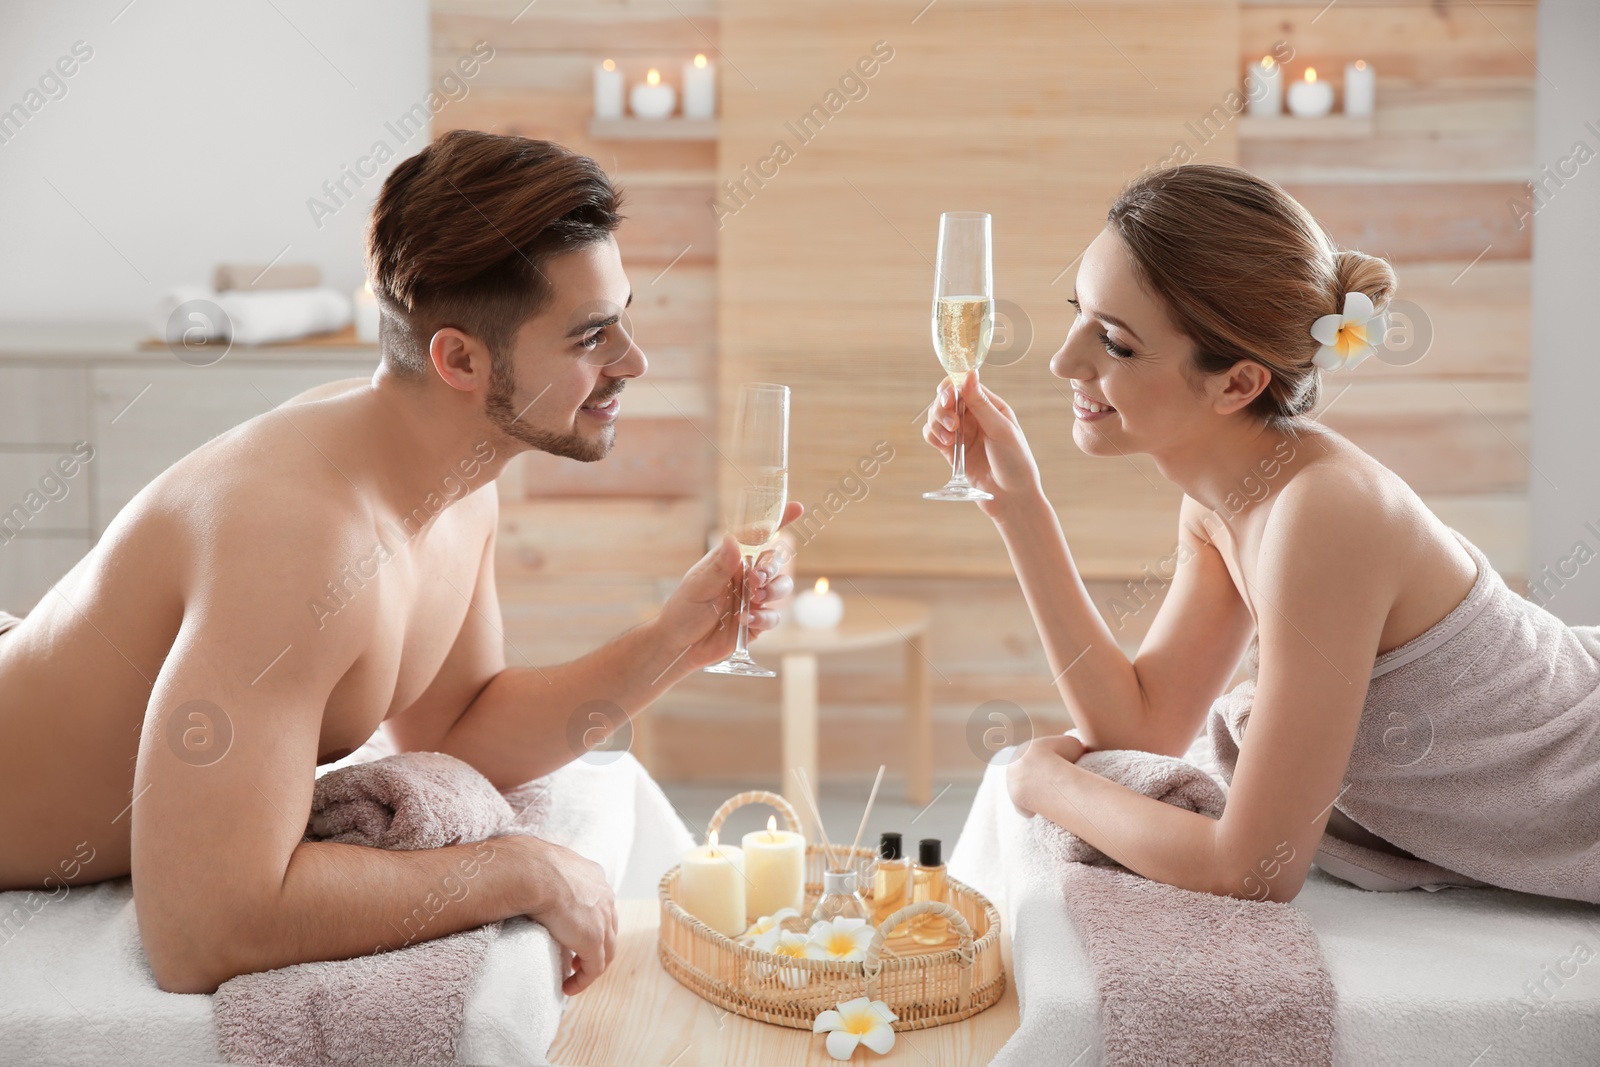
[76, 675]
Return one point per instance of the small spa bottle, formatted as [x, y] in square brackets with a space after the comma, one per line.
[840, 900]
[928, 883]
[891, 882]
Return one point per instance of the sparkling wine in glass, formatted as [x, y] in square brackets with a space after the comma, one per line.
[759, 452]
[963, 323]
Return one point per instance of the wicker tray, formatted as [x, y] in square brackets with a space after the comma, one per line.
[924, 986]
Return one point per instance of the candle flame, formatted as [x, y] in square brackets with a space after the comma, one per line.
[1267, 62]
[700, 60]
[772, 823]
[711, 839]
[1361, 64]
[1311, 74]
[368, 287]
[822, 586]
[654, 77]
[609, 64]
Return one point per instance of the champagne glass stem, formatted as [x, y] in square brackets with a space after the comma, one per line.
[959, 467]
[744, 605]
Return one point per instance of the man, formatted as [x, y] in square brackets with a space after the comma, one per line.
[327, 567]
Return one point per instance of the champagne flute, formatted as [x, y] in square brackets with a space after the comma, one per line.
[754, 510]
[963, 323]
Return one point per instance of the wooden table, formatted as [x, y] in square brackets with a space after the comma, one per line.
[637, 1014]
[869, 622]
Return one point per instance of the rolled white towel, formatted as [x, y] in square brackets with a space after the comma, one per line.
[247, 317]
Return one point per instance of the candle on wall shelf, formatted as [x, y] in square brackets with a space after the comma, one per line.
[775, 869]
[711, 884]
[1310, 98]
[1360, 88]
[367, 315]
[651, 99]
[607, 90]
[818, 608]
[1264, 87]
[699, 89]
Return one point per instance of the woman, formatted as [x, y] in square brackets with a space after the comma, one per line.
[1194, 343]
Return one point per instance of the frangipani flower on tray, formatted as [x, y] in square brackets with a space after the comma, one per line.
[767, 923]
[1349, 337]
[857, 1022]
[841, 939]
[784, 943]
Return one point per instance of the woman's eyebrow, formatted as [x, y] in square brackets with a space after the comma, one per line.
[1113, 320]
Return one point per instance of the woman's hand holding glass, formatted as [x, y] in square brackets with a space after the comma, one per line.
[999, 460]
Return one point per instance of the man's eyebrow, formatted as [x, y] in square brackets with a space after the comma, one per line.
[597, 324]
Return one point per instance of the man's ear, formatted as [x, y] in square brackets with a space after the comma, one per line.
[460, 359]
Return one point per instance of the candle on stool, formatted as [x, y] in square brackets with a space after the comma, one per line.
[607, 91]
[367, 315]
[1264, 87]
[652, 100]
[711, 886]
[699, 89]
[1360, 87]
[1310, 99]
[818, 609]
[775, 864]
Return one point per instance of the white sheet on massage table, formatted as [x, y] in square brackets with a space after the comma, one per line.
[1422, 978]
[75, 987]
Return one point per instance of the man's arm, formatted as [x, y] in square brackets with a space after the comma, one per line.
[518, 723]
[223, 884]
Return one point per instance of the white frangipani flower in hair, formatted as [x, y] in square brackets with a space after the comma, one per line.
[857, 1022]
[1349, 337]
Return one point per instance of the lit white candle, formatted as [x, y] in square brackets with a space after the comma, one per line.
[699, 89]
[818, 609]
[651, 99]
[607, 90]
[367, 315]
[775, 866]
[1310, 98]
[711, 886]
[1264, 87]
[1360, 88]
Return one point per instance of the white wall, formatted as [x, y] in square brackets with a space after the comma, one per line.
[1564, 486]
[195, 133]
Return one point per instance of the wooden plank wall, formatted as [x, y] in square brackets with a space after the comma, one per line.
[970, 111]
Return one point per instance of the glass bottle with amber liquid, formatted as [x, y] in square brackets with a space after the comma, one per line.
[928, 883]
[891, 882]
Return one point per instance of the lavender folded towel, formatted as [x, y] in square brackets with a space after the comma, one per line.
[391, 1008]
[1186, 977]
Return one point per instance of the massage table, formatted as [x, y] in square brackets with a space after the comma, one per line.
[75, 987]
[1422, 977]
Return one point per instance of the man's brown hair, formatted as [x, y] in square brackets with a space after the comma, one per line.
[461, 232]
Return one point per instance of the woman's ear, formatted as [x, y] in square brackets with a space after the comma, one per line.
[1240, 384]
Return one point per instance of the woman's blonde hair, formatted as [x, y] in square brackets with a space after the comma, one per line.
[1244, 270]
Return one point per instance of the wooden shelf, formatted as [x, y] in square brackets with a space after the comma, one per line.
[667, 129]
[1287, 127]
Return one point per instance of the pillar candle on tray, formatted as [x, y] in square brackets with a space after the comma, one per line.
[711, 885]
[775, 866]
[651, 99]
[1264, 87]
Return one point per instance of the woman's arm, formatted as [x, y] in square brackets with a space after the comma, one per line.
[1328, 571]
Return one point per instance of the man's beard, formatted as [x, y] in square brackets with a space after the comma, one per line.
[498, 406]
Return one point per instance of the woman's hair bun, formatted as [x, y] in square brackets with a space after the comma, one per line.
[1357, 272]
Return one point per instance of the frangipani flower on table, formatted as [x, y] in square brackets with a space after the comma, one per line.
[1349, 337]
[841, 939]
[768, 923]
[857, 1022]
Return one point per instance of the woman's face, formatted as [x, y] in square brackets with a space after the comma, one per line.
[1123, 351]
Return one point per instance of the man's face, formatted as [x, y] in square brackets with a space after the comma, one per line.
[569, 363]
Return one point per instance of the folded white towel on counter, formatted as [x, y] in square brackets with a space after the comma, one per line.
[198, 314]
